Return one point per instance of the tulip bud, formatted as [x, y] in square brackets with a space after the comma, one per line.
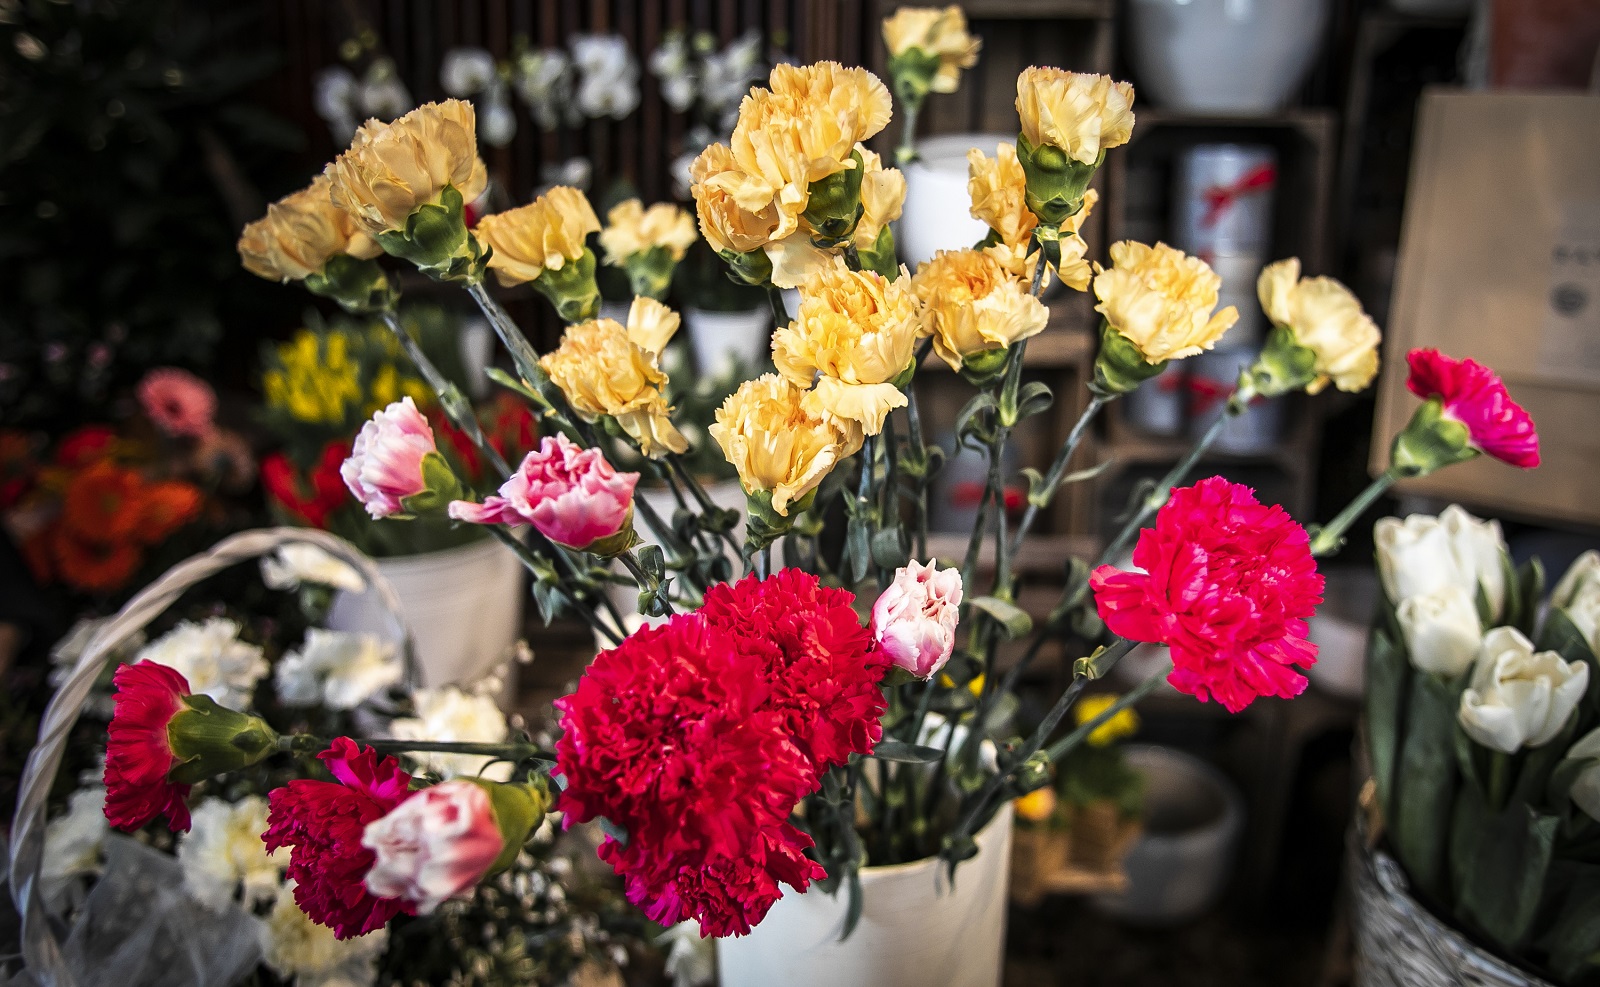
[1585, 790]
[1441, 629]
[1519, 698]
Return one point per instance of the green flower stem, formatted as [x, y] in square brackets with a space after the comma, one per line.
[919, 447]
[907, 151]
[1237, 405]
[1059, 466]
[302, 743]
[1327, 539]
[975, 815]
[526, 361]
[450, 397]
[530, 561]
[701, 497]
[1060, 748]
[640, 577]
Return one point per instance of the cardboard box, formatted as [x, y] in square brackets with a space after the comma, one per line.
[1500, 262]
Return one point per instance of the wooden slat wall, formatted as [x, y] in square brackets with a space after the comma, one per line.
[417, 33]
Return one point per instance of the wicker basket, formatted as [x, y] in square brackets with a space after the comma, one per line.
[41, 951]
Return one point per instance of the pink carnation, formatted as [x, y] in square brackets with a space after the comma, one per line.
[1227, 584]
[570, 494]
[914, 620]
[385, 464]
[1474, 396]
[179, 403]
[435, 845]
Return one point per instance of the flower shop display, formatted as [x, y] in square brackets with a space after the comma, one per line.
[1482, 724]
[818, 754]
[257, 863]
[461, 591]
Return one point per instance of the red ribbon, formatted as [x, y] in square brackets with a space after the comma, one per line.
[1219, 198]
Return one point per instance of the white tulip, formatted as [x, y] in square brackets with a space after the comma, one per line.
[1578, 594]
[1519, 698]
[1442, 631]
[1586, 789]
[1424, 554]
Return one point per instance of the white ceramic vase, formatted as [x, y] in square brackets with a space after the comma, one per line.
[463, 606]
[937, 214]
[1224, 56]
[915, 929]
[722, 340]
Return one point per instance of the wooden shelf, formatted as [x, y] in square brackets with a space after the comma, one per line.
[1040, 554]
[1018, 9]
[1127, 445]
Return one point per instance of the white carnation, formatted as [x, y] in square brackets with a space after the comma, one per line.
[294, 946]
[339, 669]
[301, 562]
[212, 659]
[448, 714]
[223, 856]
[72, 843]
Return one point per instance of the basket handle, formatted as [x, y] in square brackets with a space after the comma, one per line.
[40, 950]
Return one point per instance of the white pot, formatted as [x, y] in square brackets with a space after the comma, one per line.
[915, 929]
[937, 214]
[722, 341]
[463, 606]
[1224, 56]
[1192, 819]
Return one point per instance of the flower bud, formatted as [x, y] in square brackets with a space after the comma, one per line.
[1441, 629]
[914, 619]
[209, 740]
[1519, 698]
[1430, 441]
[833, 205]
[357, 286]
[395, 468]
[1057, 182]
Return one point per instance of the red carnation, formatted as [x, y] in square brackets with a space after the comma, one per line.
[1227, 584]
[819, 661]
[668, 737]
[286, 487]
[323, 823]
[1474, 396]
[138, 750]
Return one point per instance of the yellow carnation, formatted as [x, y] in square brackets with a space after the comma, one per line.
[778, 445]
[604, 368]
[545, 234]
[718, 187]
[1161, 300]
[975, 305]
[299, 233]
[883, 197]
[393, 168]
[940, 33]
[1123, 723]
[1326, 319]
[1081, 113]
[999, 188]
[633, 229]
[859, 331]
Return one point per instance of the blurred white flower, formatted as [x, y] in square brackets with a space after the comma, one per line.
[64, 654]
[294, 946]
[466, 72]
[1441, 629]
[544, 81]
[1586, 789]
[1423, 554]
[497, 121]
[448, 714]
[608, 75]
[691, 960]
[300, 562]
[72, 845]
[576, 172]
[726, 76]
[212, 659]
[382, 94]
[334, 99]
[1578, 594]
[339, 669]
[1518, 697]
[672, 65]
[223, 857]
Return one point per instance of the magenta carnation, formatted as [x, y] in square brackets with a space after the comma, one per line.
[1474, 396]
[570, 494]
[139, 751]
[323, 823]
[1227, 584]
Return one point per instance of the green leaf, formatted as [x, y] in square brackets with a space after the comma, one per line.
[1562, 636]
[894, 750]
[652, 562]
[965, 425]
[1425, 790]
[1499, 861]
[1013, 618]
[1388, 681]
[1530, 582]
[889, 548]
[1573, 939]
[858, 549]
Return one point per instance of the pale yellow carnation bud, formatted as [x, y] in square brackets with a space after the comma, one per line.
[719, 189]
[632, 229]
[1078, 112]
[1161, 301]
[857, 330]
[605, 368]
[299, 233]
[393, 168]
[778, 445]
[544, 235]
[1325, 318]
[976, 306]
[941, 34]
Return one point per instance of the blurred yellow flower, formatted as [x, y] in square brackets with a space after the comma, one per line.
[544, 235]
[1080, 113]
[1161, 300]
[315, 381]
[1037, 806]
[632, 229]
[857, 330]
[604, 368]
[1123, 723]
[778, 445]
[393, 168]
[975, 305]
[941, 34]
[299, 233]
[1325, 318]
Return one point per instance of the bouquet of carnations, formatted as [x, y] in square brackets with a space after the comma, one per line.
[1483, 720]
[841, 703]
